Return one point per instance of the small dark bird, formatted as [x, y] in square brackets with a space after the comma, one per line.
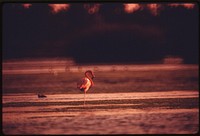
[41, 96]
[86, 83]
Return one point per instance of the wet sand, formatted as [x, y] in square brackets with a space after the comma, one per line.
[170, 112]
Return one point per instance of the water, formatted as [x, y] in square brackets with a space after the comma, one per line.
[176, 112]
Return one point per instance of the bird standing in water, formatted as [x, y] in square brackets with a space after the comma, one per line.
[86, 83]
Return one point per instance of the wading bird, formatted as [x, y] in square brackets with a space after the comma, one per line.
[86, 83]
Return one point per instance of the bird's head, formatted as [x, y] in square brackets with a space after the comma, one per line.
[91, 73]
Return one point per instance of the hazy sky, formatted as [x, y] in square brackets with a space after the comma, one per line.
[101, 32]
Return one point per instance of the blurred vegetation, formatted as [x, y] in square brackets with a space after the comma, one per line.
[105, 82]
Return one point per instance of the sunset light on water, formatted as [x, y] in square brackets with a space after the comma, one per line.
[100, 68]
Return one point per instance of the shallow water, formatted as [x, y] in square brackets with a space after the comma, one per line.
[170, 112]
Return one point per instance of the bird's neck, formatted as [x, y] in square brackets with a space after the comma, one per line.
[87, 75]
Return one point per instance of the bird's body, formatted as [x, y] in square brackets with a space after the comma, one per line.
[86, 83]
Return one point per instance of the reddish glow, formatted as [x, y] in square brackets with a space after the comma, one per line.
[92, 8]
[186, 5]
[154, 8]
[130, 8]
[59, 7]
[26, 5]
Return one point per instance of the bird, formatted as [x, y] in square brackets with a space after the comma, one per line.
[86, 82]
[41, 95]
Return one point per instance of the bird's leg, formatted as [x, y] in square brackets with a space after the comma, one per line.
[84, 97]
